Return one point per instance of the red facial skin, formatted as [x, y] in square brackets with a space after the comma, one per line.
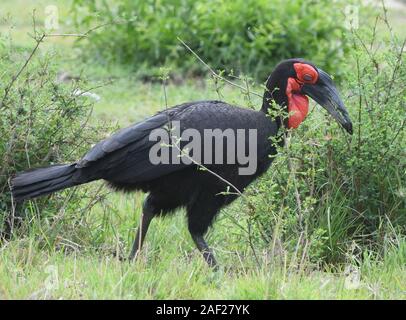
[298, 104]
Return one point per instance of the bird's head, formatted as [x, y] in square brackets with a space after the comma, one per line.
[295, 79]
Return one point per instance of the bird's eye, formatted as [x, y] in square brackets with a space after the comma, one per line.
[305, 73]
[307, 77]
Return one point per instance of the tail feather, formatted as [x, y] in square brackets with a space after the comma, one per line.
[37, 182]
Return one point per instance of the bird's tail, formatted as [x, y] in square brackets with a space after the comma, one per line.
[42, 181]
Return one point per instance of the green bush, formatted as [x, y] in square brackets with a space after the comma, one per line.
[42, 122]
[248, 36]
[329, 197]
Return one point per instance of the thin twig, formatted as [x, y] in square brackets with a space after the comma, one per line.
[15, 77]
[215, 74]
[297, 194]
[78, 35]
[164, 77]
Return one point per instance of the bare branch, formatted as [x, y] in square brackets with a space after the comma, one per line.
[215, 74]
[15, 77]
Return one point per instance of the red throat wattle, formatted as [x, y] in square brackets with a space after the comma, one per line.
[298, 104]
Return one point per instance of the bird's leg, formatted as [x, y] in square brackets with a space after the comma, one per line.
[204, 249]
[146, 218]
[199, 219]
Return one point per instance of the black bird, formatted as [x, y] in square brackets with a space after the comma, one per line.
[124, 159]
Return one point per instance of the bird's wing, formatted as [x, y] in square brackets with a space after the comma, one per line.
[124, 157]
[131, 137]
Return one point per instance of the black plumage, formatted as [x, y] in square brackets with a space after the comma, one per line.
[123, 161]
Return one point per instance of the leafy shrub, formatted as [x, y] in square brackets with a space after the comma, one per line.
[245, 35]
[42, 122]
[330, 197]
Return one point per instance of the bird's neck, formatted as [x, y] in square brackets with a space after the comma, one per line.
[272, 102]
[286, 97]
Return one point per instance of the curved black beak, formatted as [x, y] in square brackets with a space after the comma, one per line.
[326, 94]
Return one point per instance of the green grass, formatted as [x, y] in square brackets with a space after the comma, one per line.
[174, 271]
[171, 268]
[85, 266]
[16, 21]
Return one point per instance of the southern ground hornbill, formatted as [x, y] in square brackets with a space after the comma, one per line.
[124, 159]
